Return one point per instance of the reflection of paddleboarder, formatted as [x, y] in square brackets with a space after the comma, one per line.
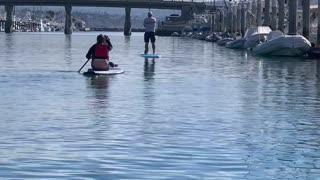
[149, 69]
[150, 27]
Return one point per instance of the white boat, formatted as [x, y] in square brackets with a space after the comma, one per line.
[255, 36]
[287, 45]
[252, 37]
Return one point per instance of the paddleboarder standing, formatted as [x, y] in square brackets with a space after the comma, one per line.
[150, 27]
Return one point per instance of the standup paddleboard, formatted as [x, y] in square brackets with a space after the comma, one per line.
[111, 71]
[151, 55]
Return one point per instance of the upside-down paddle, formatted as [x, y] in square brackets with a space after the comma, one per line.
[83, 65]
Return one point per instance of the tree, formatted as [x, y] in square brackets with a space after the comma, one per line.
[50, 15]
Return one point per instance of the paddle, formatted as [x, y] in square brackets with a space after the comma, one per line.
[83, 65]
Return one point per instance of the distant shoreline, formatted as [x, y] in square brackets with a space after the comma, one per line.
[116, 29]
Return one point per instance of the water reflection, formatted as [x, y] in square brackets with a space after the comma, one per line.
[9, 44]
[149, 68]
[127, 43]
[98, 87]
[68, 49]
[281, 103]
[195, 114]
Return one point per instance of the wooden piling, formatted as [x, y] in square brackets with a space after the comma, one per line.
[239, 18]
[259, 8]
[266, 13]
[306, 18]
[293, 16]
[318, 31]
[281, 15]
[274, 15]
[243, 19]
[254, 12]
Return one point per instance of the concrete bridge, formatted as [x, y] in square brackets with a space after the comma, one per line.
[187, 7]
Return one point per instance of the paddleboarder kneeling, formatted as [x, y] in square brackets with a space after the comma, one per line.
[99, 53]
[107, 41]
[150, 27]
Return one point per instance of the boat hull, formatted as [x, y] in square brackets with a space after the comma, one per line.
[289, 45]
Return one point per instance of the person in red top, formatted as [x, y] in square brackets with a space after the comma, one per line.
[99, 53]
[107, 41]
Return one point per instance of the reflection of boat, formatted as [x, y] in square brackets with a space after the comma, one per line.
[314, 52]
[236, 44]
[223, 42]
[42, 26]
[252, 37]
[288, 45]
[213, 37]
[175, 34]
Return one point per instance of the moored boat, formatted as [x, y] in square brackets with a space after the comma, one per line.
[255, 36]
[252, 37]
[288, 45]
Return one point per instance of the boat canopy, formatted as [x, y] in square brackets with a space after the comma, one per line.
[257, 30]
[274, 34]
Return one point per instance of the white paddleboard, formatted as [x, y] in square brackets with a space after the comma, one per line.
[151, 55]
[111, 71]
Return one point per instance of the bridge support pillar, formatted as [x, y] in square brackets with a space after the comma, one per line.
[68, 21]
[9, 21]
[127, 22]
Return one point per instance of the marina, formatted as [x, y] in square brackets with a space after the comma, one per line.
[229, 93]
[199, 111]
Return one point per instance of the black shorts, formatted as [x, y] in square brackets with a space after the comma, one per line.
[149, 35]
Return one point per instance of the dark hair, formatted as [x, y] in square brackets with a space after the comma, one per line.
[106, 38]
[100, 39]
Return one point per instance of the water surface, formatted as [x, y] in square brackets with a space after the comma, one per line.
[199, 112]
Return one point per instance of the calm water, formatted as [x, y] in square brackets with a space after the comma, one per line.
[199, 112]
